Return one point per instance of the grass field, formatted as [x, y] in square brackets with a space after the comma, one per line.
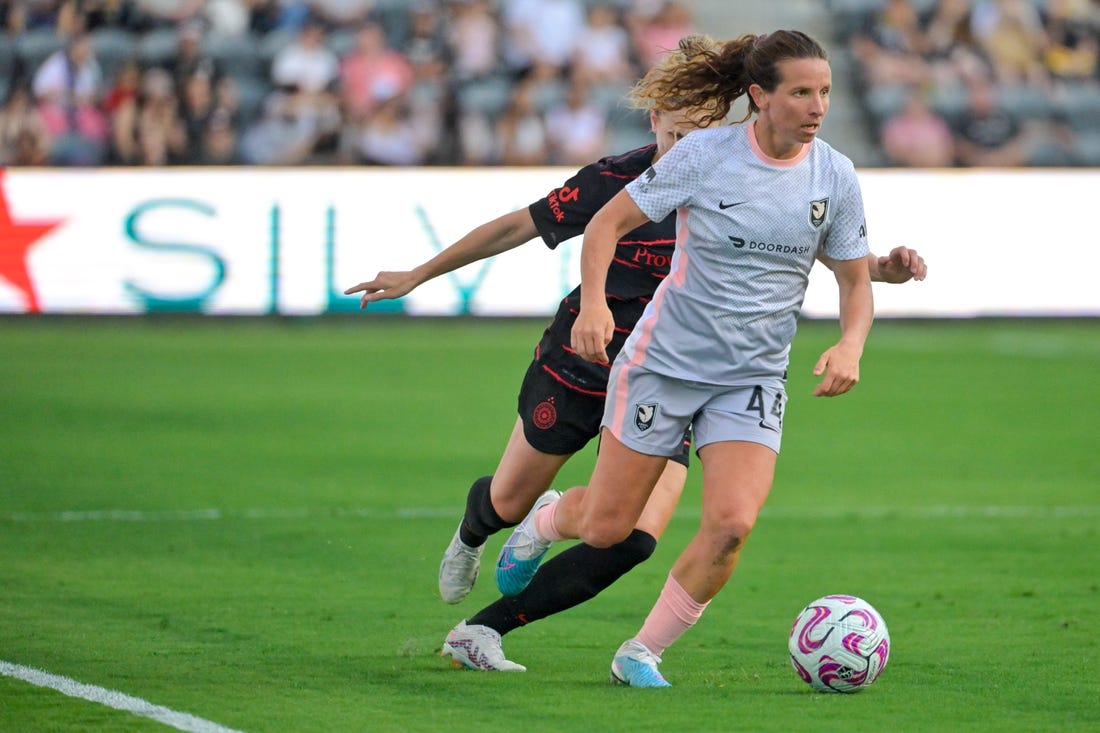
[242, 521]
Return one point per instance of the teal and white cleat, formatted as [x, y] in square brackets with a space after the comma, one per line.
[458, 570]
[477, 647]
[635, 666]
[520, 557]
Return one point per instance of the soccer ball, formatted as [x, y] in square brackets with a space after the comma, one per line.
[839, 644]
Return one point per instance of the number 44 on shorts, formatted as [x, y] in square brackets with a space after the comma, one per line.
[770, 418]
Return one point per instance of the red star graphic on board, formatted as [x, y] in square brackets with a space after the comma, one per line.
[16, 240]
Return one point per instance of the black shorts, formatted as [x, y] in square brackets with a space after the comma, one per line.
[560, 420]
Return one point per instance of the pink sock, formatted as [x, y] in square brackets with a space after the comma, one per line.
[544, 523]
[674, 613]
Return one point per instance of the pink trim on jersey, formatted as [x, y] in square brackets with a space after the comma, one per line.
[683, 231]
[677, 276]
[785, 162]
[620, 389]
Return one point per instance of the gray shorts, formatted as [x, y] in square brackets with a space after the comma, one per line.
[649, 412]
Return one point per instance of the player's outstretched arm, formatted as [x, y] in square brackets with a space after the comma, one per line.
[491, 238]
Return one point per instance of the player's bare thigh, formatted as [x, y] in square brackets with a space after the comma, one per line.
[618, 491]
[522, 475]
[737, 478]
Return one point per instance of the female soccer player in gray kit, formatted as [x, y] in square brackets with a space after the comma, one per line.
[756, 204]
[561, 400]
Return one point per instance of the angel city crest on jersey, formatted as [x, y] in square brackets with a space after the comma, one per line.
[643, 416]
[818, 210]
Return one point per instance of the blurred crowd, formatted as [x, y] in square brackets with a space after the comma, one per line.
[504, 82]
[291, 82]
[978, 82]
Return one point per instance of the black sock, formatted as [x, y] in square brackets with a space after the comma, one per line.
[481, 519]
[568, 579]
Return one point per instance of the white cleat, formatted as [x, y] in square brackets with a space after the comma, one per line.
[458, 570]
[477, 647]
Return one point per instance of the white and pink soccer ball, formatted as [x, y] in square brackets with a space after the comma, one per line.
[839, 644]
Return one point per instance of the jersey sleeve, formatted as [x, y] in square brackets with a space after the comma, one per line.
[564, 212]
[847, 236]
[670, 182]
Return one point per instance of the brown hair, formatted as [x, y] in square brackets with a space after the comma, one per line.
[710, 75]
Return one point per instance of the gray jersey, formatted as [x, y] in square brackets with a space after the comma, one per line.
[748, 231]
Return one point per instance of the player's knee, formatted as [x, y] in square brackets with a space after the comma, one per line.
[604, 532]
[512, 500]
[481, 515]
[729, 544]
[728, 535]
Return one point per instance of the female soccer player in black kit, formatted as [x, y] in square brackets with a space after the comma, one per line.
[561, 400]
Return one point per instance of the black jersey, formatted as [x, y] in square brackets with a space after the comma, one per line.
[641, 262]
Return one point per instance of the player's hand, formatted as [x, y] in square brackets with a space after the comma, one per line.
[384, 286]
[901, 265]
[840, 367]
[592, 333]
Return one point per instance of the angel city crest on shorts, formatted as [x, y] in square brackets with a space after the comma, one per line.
[644, 414]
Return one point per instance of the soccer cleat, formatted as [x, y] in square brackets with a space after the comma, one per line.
[635, 666]
[458, 570]
[522, 553]
[477, 647]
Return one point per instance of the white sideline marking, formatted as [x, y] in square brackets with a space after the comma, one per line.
[113, 699]
[799, 513]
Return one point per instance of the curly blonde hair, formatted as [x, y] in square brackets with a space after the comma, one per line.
[709, 76]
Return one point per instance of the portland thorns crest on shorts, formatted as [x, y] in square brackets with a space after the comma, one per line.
[545, 414]
[818, 210]
[643, 417]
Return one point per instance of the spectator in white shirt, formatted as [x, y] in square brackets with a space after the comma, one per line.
[577, 128]
[306, 64]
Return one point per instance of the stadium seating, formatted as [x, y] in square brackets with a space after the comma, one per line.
[247, 60]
